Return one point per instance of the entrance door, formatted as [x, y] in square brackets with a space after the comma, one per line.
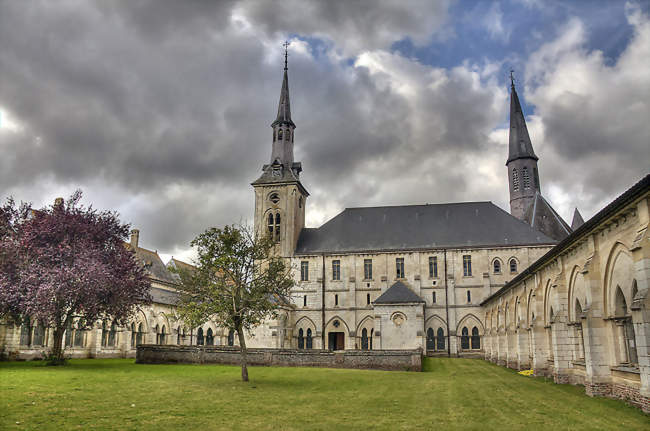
[336, 340]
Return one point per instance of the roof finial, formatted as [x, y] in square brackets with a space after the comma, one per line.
[512, 78]
[286, 52]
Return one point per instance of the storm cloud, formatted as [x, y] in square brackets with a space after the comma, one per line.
[161, 110]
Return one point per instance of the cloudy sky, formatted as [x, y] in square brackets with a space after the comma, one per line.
[161, 110]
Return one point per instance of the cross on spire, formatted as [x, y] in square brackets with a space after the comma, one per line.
[286, 52]
[512, 78]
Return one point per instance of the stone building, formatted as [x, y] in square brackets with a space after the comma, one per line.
[401, 277]
[581, 313]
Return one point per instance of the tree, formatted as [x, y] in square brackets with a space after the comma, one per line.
[238, 282]
[66, 261]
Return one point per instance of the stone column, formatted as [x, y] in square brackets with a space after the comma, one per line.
[561, 348]
[522, 349]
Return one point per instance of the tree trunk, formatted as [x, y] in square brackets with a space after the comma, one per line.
[242, 346]
[57, 349]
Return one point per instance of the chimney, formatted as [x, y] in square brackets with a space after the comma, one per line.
[135, 238]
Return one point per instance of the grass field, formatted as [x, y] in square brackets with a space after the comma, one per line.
[450, 394]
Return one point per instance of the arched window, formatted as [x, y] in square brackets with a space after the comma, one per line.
[513, 265]
[68, 335]
[199, 337]
[440, 339]
[364, 339]
[464, 339]
[26, 332]
[497, 266]
[138, 339]
[39, 335]
[301, 339]
[112, 334]
[79, 335]
[431, 340]
[280, 134]
[526, 177]
[105, 335]
[163, 335]
[231, 337]
[476, 339]
[277, 226]
[157, 334]
[515, 180]
[209, 337]
[133, 335]
[270, 223]
[309, 339]
[624, 325]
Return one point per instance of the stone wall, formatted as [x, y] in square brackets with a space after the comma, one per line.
[396, 360]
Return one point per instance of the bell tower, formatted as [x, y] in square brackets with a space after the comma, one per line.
[280, 197]
[523, 176]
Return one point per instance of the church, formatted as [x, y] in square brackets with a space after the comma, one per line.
[399, 277]
[522, 289]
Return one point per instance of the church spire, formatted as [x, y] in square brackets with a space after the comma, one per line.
[519, 144]
[284, 106]
[523, 176]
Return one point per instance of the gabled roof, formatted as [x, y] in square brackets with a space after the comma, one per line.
[417, 227]
[541, 216]
[153, 265]
[519, 144]
[398, 293]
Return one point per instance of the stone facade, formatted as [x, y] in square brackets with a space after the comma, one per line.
[581, 314]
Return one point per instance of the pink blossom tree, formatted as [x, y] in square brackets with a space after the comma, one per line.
[67, 261]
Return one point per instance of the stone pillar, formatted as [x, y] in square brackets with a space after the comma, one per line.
[540, 357]
[523, 362]
[502, 357]
[561, 348]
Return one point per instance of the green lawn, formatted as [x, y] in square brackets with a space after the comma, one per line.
[451, 394]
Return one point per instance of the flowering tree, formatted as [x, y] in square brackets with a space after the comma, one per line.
[67, 261]
[237, 282]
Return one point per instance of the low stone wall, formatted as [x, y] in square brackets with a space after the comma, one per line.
[396, 360]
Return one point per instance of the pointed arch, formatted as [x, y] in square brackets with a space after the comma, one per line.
[330, 325]
[577, 292]
[470, 320]
[619, 272]
[305, 322]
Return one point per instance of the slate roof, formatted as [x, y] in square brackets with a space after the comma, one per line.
[398, 293]
[162, 296]
[541, 216]
[154, 266]
[416, 227]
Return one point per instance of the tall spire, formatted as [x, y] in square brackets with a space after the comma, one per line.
[284, 106]
[519, 146]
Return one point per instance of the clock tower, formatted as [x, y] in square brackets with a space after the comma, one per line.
[280, 197]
